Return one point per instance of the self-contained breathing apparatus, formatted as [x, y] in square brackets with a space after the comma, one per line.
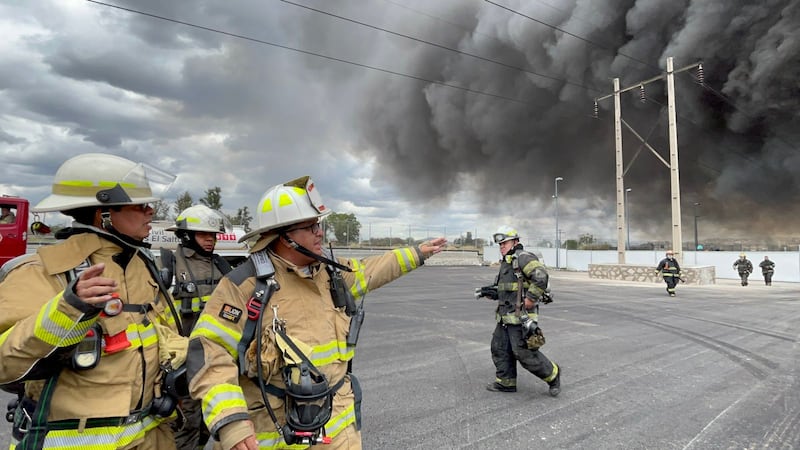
[308, 394]
[531, 332]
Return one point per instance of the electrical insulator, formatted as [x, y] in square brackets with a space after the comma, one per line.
[641, 93]
[596, 110]
[700, 76]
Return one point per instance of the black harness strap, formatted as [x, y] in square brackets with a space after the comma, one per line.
[265, 287]
[37, 431]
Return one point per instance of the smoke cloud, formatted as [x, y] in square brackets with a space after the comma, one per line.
[738, 138]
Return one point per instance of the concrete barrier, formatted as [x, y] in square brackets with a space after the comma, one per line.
[632, 272]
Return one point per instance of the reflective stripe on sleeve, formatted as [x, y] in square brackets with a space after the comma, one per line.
[55, 328]
[210, 328]
[223, 397]
[531, 266]
[359, 288]
[405, 257]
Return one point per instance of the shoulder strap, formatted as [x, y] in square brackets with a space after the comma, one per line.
[11, 264]
[265, 287]
[221, 264]
[168, 262]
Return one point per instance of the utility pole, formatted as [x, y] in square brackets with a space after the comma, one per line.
[669, 75]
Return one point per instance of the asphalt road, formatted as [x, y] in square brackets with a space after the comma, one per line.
[714, 368]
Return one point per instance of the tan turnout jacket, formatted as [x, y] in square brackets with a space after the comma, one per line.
[40, 321]
[305, 303]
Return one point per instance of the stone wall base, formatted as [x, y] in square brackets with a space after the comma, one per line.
[630, 272]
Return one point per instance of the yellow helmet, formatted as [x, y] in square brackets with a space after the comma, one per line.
[292, 202]
[98, 179]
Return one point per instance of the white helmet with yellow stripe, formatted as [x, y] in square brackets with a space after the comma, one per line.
[288, 203]
[97, 179]
[199, 218]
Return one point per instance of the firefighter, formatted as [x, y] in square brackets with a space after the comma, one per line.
[520, 285]
[196, 271]
[744, 267]
[6, 215]
[86, 322]
[767, 269]
[270, 354]
[670, 270]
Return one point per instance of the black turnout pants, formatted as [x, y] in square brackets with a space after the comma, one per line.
[508, 347]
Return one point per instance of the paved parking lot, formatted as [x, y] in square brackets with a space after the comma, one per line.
[714, 368]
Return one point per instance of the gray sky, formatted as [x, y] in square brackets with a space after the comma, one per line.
[416, 152]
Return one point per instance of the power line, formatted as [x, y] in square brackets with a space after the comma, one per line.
[588, 41]
[306, 52]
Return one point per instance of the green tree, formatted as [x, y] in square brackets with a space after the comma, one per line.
[242, 218]
[184, 201]
[213, 198]
[345, 227]
[161, 209]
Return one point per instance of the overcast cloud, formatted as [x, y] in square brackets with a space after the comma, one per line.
[411, 154]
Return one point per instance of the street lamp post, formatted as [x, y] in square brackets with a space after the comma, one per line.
[558, 238]
[627, 222]
[696, 244]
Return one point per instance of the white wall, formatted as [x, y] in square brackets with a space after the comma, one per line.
[787, 264]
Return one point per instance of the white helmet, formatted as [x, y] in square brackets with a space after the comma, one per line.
[97, 179]
[200, 218]
[288, 203]
[504, 233]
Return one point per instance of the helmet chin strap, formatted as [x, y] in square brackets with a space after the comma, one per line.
[108, 226]
[105, 220]
[311, 254]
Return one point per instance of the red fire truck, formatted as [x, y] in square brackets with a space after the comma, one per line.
[13, 230]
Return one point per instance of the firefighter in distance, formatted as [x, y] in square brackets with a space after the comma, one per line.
[670, 270]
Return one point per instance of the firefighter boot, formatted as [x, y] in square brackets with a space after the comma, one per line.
[555, 385]
[497, 387]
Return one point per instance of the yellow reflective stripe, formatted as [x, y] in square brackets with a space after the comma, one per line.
[197, 303]
[405, 257]
[140, 335]
[512, 286]
[338, 423]
[55, 328]
[273, 440]
[147, 334]
[531, 266]
[212, 329]
[222, 397]
[5, 334]
[101, 438]
[359, 288]
[553, 374]
[510, 319]
[330, 352]
[86, 188]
